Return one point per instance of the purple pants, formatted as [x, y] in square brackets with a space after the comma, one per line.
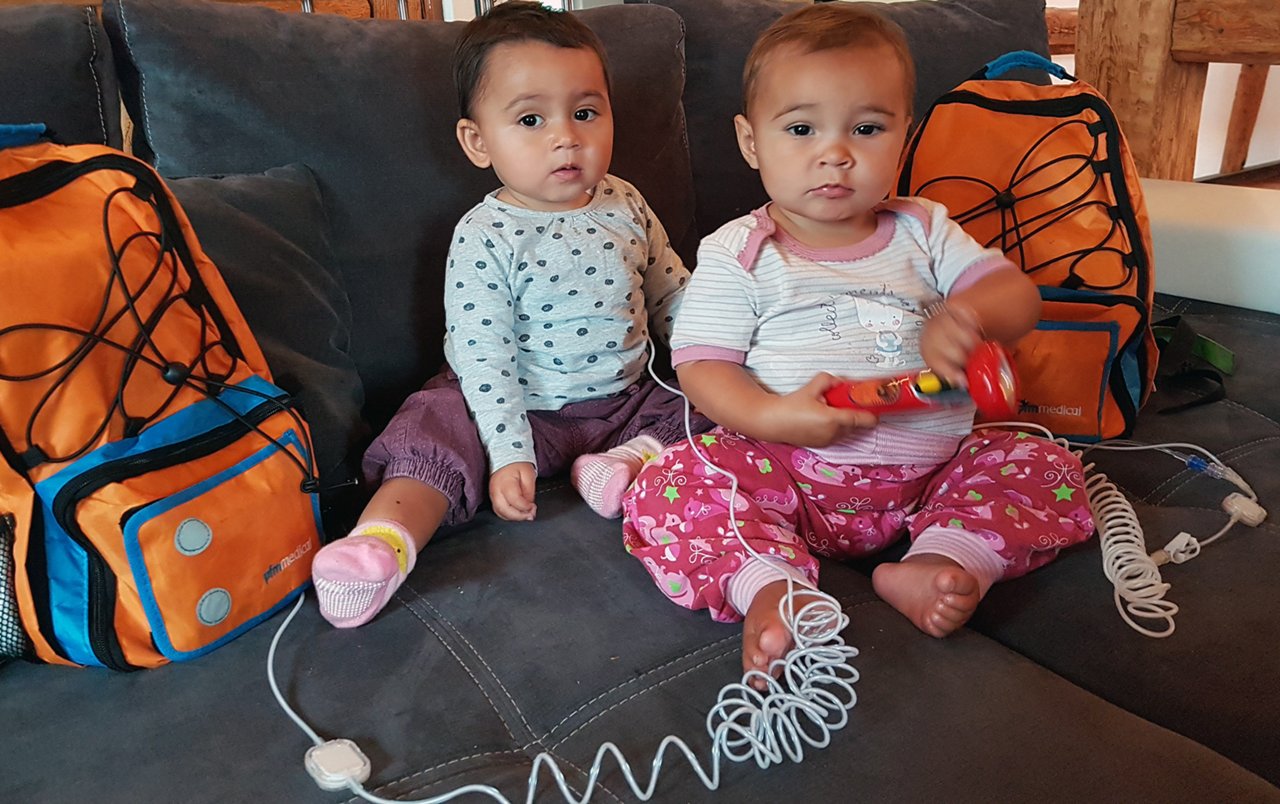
[1016, 498]
[432, 438]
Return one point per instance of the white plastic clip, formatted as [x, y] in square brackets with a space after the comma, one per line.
[1244, 509]
[336, 763]
[1181, 548]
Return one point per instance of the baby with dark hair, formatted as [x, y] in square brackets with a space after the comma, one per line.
[554, 283]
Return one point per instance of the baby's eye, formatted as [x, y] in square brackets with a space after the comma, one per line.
[867, 129]
[531, 120]
[800, 130]
[585, 114]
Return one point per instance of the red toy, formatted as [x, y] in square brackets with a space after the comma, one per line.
[993, 387]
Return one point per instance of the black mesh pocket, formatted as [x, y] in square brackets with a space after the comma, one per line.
[13, 640]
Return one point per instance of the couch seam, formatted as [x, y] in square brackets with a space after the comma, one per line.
[403, 779]
[93, 71]
[142, 87]
[686, 671]
[1257, 414]
[637, 694]
[585, 776]
[464, 666]
[641, 677]
[523, 750]
[1238, 451]
[477, 654]
[1185, 476]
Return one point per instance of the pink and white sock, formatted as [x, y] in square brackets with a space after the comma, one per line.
[356, 576]
[602, 477]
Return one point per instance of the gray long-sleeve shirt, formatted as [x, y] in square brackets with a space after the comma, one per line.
[548, 308]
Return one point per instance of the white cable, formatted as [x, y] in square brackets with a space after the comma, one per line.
[1135, 577]
[807, 695]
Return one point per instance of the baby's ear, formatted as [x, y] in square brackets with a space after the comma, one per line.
[746, 140]
[473, 143]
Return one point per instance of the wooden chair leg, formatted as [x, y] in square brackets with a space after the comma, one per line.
[1244, 115]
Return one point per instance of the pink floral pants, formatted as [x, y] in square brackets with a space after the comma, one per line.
[1022, 496]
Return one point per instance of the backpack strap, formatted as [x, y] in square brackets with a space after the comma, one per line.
[15, 134]
[1188, 358]
[1021, 58]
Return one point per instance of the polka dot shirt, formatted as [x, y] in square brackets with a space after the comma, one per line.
[547, 308]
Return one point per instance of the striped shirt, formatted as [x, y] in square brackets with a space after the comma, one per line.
[786, 312]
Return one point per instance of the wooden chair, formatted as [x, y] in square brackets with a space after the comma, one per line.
[1150, 60]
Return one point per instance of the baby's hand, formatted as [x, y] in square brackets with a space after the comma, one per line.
[511, 492]
[949, 337]
[804, 418]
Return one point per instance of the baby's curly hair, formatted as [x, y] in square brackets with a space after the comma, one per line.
[827, 26]
[515, 21]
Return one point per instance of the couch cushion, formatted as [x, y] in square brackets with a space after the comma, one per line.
[513, 639]
[370, 107]
[1213, 680]
[269, 236]
[950, 39]
[55, 68]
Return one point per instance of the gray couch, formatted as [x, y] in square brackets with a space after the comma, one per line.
[316, 159]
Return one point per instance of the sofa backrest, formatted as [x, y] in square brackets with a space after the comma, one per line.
[950, 40]
[369, 106]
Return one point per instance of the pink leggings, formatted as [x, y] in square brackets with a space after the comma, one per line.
[1014, 498]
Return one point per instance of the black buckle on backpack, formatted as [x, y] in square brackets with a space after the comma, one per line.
[32, 457]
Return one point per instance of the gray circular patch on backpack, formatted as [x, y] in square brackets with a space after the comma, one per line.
[214, 606]
[192, 537]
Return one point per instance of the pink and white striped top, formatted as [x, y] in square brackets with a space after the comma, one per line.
[785, 312]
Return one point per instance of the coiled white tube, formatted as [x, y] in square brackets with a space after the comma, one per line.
[1139, 590]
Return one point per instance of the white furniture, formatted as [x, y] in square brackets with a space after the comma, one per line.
[1216, 242]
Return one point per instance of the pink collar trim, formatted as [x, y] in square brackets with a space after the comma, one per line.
[764, 228]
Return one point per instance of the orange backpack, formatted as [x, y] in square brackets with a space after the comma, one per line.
[1044, 174]
[157, 495]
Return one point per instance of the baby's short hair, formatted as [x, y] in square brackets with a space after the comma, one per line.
[828, 26]
[515, 21]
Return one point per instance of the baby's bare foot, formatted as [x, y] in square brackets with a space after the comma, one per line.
[932, 591]
[765, 636]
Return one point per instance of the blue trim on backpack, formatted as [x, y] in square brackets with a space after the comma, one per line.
[142, 575]
[66, 561]
[14, 135]
[1024, 58]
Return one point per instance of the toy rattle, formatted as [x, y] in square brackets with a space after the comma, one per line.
[993, 387]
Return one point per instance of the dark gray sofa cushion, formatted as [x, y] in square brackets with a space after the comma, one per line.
[269, 236]
[370, 108]
[546, 636]
[57, 70]
[951, 39]
[1213, 680]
